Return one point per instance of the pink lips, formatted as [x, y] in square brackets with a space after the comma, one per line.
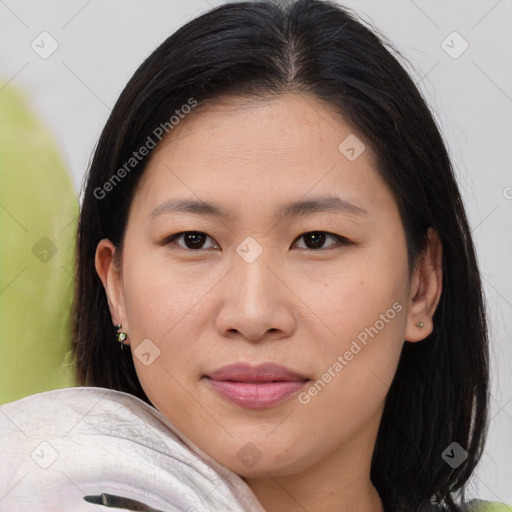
[256, 387]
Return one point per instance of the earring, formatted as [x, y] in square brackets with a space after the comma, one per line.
[420, 324]
[121, 336]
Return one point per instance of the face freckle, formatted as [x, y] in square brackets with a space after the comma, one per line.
[278, 298]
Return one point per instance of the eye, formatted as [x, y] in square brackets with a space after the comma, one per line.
[193, 240]
[315, 239]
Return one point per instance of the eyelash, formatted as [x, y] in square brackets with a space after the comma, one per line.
[341, 240]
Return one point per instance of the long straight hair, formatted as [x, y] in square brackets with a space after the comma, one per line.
[439, 394]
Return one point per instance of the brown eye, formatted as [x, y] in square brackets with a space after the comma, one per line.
[316, 239]
[192, 240]
[195, 240]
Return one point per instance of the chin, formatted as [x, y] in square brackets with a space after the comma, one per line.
[266, 465]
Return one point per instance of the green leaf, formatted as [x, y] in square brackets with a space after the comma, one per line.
[38, 219]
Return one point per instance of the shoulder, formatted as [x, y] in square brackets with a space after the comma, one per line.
[83, 411]
[62, 445]
[68, 399]
[55, 409]
[475, 505]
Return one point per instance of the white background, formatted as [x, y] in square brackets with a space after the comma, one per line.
[102, 42]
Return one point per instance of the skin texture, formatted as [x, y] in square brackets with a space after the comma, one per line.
[295, 305]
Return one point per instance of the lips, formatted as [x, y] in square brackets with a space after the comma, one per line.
[256, 387]
[266, 372]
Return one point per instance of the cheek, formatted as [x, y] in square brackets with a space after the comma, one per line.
[156, 295]
[364, 306]
[363, 300]
[359, 360]
[165, 304]
[356, 364]
[158, 306]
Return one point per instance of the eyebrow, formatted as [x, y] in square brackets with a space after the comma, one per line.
[330, 204]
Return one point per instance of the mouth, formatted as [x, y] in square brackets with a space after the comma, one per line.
[256, 387]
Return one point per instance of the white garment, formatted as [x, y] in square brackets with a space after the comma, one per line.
[57, 446]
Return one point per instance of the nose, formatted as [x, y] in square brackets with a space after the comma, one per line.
[256, 302]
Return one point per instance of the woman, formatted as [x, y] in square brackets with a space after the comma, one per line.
[272, 231]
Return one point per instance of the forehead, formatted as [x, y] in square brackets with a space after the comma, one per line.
[259, 151]
[296, 126]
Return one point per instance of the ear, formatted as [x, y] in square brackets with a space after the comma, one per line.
[109, 272]
[425, 291]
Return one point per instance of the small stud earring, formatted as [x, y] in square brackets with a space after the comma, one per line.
[121, 336]
[420, 324]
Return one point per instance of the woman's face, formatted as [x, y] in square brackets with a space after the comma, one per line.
[256, 286]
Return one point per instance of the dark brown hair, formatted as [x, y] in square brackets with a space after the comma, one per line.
[258, 49]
